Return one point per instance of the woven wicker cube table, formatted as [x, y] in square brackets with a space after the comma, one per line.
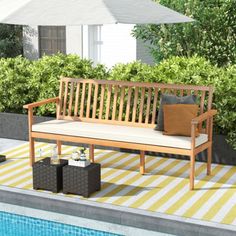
[48, 176]
[82, 180]
[2, 158]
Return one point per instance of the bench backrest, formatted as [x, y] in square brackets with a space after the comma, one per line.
[120, 102]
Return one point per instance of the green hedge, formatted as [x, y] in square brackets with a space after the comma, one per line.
[23, 81]
[45, 74]
[15, 89]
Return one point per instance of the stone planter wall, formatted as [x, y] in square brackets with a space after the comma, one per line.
[15, 126]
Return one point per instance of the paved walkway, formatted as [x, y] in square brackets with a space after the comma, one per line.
[6, 144]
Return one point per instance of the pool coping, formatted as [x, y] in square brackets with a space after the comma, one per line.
[77, 221]
[147, 220]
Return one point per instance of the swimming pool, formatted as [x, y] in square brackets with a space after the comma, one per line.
[17, 225]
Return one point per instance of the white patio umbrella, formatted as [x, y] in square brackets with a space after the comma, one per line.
[86, 12]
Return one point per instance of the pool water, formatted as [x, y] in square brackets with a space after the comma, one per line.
[17, 225]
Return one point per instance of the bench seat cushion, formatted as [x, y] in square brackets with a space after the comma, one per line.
[116, 133]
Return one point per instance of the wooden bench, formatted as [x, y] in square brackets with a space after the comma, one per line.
[122, 114]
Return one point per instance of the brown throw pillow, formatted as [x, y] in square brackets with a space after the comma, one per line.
[172, 99]
[177, 119]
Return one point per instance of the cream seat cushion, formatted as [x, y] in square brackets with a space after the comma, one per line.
[116, 133]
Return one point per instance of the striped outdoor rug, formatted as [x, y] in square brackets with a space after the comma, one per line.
[164, 189]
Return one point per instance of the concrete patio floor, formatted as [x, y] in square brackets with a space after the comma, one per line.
[160, 199]
[6, 144]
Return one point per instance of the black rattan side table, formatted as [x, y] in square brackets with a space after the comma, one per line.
[2, 158]
[82, 180]
[48, 176]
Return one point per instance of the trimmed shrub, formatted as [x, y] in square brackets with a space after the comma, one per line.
[15, 88]
[135, 71]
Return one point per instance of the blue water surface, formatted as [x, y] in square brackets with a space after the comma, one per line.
[17, 225]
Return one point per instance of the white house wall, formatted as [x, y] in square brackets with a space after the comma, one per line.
[118, 46]
[115, 42]
[143, 52]
[73, 40]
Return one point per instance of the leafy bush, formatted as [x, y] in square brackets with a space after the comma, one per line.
[22, 81]
[47, 71]
[135, 71]
[212, 35]
[225, 103]
[15, 88]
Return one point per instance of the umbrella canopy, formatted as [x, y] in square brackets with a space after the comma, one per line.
[86, 12]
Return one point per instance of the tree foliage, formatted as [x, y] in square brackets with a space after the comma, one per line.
[212, 35]
[11, 44]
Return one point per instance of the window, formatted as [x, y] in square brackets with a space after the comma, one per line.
[52, 39]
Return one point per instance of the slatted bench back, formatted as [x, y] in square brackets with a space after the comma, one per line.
[119, 102]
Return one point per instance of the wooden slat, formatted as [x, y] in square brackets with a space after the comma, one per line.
[108, 102]
[148, 105]
[77, 99]
[114, 103]
[60, 99]
[202, 108]
[89, 101]
[140, 119]
[181, 92]
[188, 92]
[154, 110]
[101, 101]
[210, 97]
[65, 99]
[128, 104]
[209, 105]
[95, 100]
[82, 100]
[167, 91]
[202, 102]
[121, 103]
[135, 104]
[71, 98]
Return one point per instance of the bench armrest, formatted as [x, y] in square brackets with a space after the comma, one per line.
[199, 119]
[203, 117]
[40, 103]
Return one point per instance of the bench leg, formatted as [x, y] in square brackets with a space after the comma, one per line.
[142, 162]
[59, 147]
[91, 153]
[32, 151]
[192, 171]
[209, 157]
